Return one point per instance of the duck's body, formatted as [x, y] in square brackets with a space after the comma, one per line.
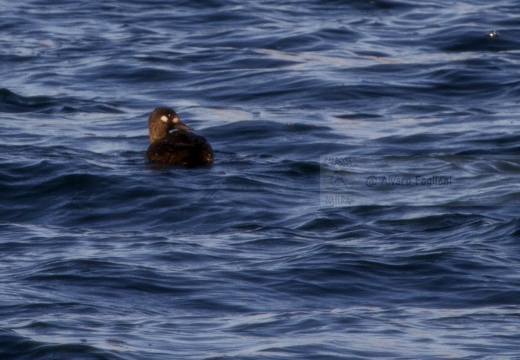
[179, 146]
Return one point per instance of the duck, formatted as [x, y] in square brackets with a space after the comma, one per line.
[173, 142]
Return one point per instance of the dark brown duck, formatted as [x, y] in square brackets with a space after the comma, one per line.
[172, 141]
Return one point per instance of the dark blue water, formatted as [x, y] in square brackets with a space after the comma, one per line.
[106, 256]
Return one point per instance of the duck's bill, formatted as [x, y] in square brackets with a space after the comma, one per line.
[182, 126]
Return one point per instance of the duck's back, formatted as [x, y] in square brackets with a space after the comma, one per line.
[181, 147]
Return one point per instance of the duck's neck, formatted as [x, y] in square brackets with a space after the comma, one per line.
[157, 132]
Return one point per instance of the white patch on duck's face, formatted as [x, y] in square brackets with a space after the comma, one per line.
[170, 118]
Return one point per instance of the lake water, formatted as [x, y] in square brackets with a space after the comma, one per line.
[364, 201]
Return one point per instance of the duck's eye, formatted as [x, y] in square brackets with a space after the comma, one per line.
[164, 118]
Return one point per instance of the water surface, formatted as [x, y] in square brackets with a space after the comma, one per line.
[106, 256]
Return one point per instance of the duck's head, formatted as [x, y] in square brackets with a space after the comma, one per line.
[162, 120]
